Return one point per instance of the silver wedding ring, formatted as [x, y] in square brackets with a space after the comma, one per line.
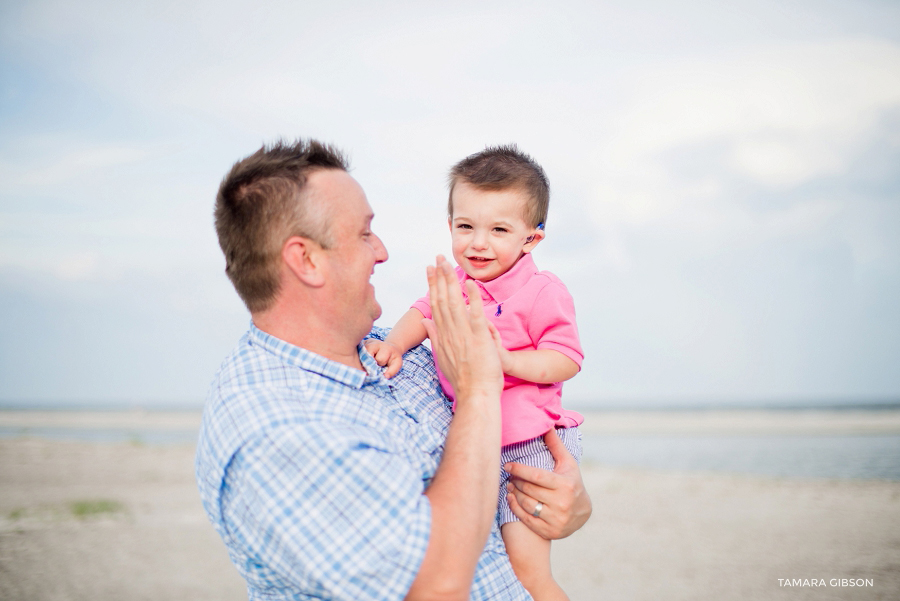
[537, 510]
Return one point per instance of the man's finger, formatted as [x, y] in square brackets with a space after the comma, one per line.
[495, 333]
[456, 306]
[537, 525]
[434, 294]
[476, 309]
[527, 489]
[561, 454]
[535, 475]
[442, 302]
[431, 330]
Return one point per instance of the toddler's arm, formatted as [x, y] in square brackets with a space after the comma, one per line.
[542, 366]
[408, 332]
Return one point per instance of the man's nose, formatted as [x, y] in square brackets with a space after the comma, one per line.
[381, 253]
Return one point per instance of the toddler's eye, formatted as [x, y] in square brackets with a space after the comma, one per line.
[464, 226]
[502, 230]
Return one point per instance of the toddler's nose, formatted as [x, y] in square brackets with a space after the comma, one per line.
[479, 241]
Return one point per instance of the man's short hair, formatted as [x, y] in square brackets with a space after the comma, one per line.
[503, 168]
[260, 205]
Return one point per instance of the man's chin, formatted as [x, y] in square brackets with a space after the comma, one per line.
[374, 306]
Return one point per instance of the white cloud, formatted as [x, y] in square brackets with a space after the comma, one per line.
[672, 154]
[769, 119]
[78, 266]
[787, 112]
[42, 162]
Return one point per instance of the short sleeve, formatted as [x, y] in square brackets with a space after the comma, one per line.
[423, 305]
[328, 509]
[551, 324]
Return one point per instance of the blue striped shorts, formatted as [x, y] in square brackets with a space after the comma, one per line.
[535, 453]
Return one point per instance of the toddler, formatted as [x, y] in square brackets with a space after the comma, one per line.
[497, 210]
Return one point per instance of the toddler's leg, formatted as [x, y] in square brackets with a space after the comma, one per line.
[530, 558]
[528, 552]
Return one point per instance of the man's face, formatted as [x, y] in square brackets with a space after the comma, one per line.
[355, 251]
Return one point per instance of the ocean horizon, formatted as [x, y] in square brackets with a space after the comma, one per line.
[681, 404]
[800, 440]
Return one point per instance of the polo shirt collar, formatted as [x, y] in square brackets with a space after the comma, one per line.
[317, 364]
[504, 286]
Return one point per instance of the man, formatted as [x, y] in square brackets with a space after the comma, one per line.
[323, 478]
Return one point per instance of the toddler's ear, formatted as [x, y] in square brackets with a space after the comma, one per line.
[533, 240]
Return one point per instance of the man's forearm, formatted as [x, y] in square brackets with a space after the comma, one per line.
[464, 490]
[463, 497]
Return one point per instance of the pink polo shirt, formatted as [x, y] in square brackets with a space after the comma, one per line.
[532, 310]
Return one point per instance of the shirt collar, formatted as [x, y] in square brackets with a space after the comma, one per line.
[312, 362]
[504, 286]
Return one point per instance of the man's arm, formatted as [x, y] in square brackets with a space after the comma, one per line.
[325, 507]
[463, 493]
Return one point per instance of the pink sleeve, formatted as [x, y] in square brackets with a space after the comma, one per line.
[423, 305]
[552, 322]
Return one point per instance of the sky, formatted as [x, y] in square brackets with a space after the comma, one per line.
[725, 180]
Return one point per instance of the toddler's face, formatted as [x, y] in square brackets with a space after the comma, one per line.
[488, 230]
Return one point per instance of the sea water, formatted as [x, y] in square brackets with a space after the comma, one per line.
[794, 456]
[847, 456]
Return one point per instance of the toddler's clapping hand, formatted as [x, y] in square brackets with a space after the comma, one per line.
[386, 354]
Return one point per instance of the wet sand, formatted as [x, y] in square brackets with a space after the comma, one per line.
[104, 521]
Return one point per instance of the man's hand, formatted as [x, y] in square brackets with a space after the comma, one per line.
[386, 354]
[461, 337]
[566, 505]
[507, 361]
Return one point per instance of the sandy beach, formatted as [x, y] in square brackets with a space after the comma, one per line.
[122, 520]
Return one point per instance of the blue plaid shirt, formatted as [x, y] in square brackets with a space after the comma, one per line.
[313, 472]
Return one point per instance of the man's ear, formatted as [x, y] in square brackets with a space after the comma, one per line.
[533, 240]
[303, 257]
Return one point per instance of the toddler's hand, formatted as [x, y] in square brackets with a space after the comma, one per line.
[386, 353]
